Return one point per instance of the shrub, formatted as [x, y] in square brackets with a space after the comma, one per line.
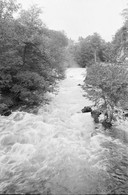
[108, 82]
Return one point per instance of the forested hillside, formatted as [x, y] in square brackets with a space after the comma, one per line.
[31, 56]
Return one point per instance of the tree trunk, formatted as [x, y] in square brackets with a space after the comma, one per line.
[24, 54]
[95, 57]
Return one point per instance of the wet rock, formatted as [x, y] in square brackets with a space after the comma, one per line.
[3, 107]
[95, 114]
[86, 109]
[107, 124]
[7, 113]
[4, 110]
[96, 119]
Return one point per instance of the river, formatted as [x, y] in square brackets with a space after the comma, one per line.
[60, 151]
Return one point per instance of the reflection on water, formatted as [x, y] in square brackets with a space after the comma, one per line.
[59, 151]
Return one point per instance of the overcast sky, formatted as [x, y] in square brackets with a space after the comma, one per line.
[81, 17]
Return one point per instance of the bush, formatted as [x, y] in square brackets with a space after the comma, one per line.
[108, 82]
[111, 81]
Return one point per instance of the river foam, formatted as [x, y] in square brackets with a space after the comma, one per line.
[53, 152]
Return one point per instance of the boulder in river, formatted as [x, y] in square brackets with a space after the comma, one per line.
[6, 113]
[86, 109]
[107, 124]
[4, 110]
[95, 114]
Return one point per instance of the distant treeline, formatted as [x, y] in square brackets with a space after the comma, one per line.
[93, 48]
[31, 56]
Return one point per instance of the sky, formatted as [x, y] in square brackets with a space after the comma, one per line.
[80, 18]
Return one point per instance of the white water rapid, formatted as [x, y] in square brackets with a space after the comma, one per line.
[53, 152]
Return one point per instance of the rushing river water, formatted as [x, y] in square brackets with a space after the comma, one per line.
[59, 151]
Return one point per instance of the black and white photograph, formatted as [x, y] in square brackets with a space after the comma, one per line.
[64, 97]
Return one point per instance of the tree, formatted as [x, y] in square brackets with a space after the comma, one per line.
[30, 19]
[96, 44]
[31, 57]
[7, 9]
[90, 50]
[108, 53]
[109, 82]
[120, 40]
[119, 44]
[56, 42]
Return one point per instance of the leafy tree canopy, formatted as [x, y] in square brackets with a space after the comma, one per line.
[110, 82]
[32, 56]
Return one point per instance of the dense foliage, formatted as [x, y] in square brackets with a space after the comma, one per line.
[112, 78]
[93, 48]
[31, 56]
[107, 86]
[109, 81]
[90, 50]
[107, 73]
